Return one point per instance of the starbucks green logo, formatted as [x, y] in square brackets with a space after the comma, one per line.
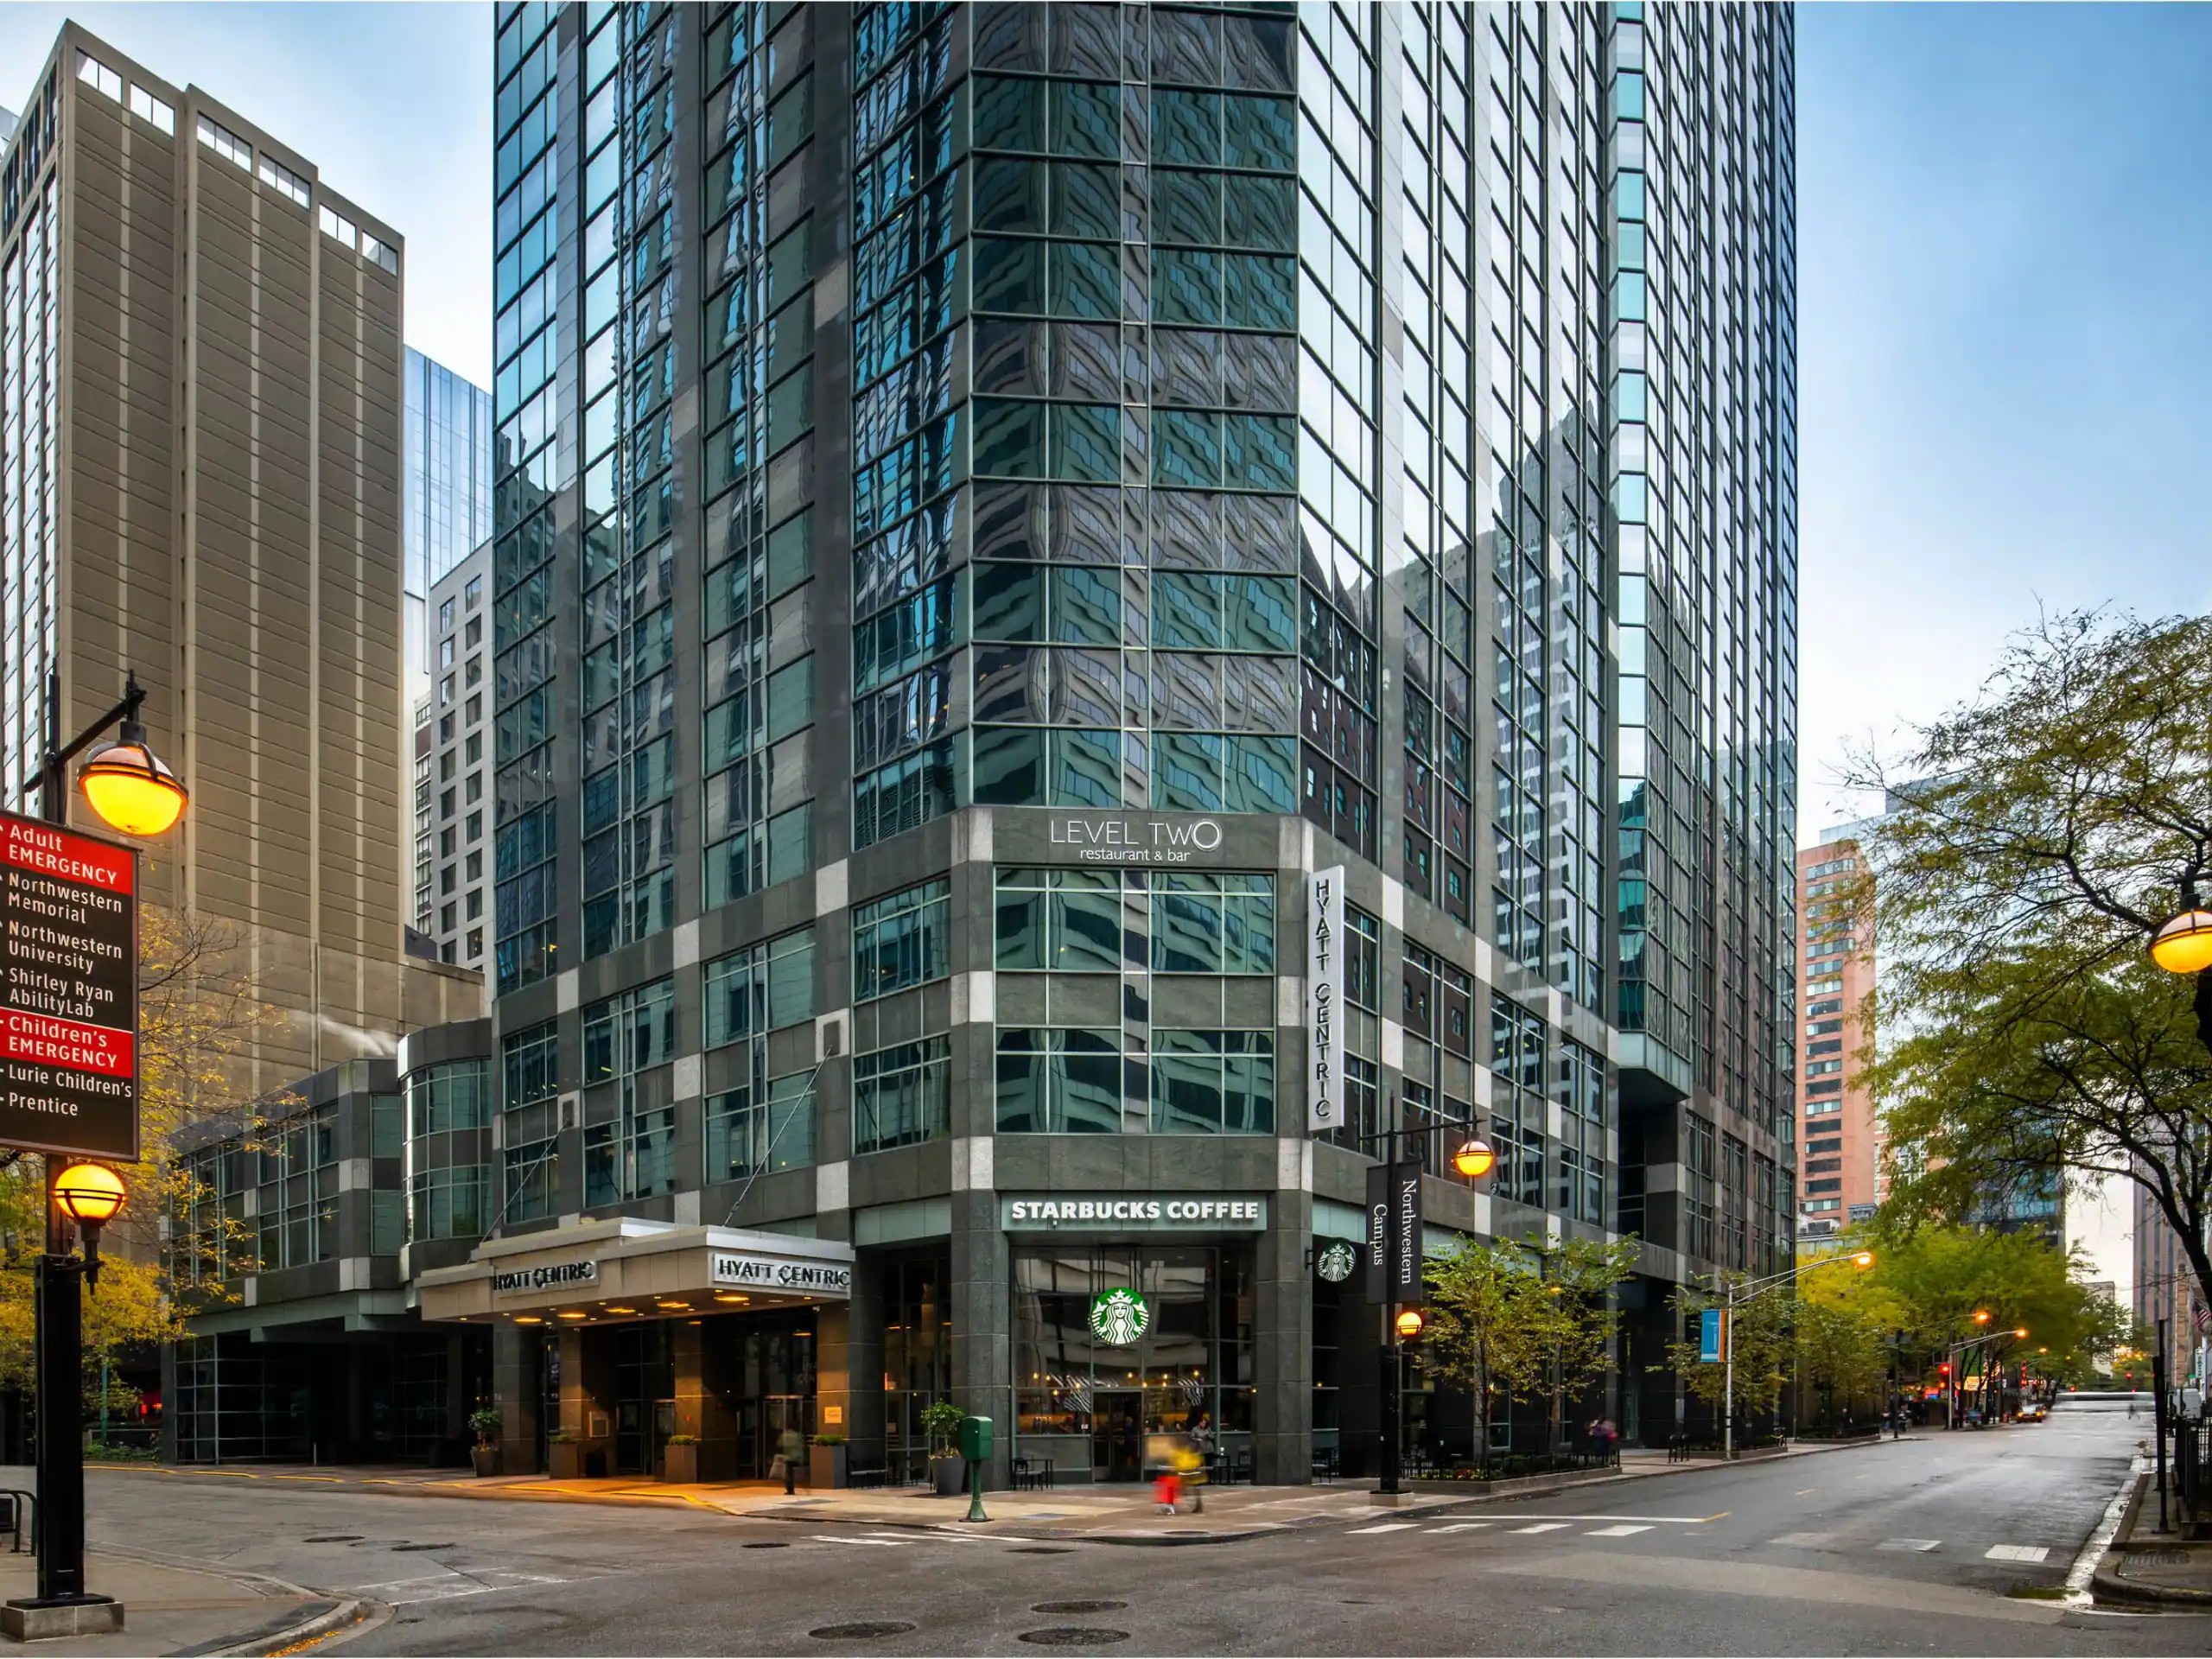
[1336, 1262]
[1118, 1317]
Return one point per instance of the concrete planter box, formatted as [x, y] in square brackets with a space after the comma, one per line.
[951, 1475]
[680, 1463]
[1517, 1483]
[485, 1460]
[827, 1467]
[564, 1459]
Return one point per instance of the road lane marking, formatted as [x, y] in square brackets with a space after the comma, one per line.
[2016, 1551]
[1387, 1526]
[1922, 1545]
[1461, 1526]
[1677, 1520]
[1543, 1526]
[1802, 1540]
[837, 1538]
[1804, 1491]
[1615, 1532]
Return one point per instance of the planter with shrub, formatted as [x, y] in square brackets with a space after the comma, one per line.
[484, 1454]
[564, 1456]
[941, 1422]
[680, 1459]
[828, 1461]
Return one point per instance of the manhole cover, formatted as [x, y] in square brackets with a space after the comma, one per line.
[1072, 1635]
[402, 1549]
[862, 1629]
[1042, 1550]
[772, 1543]
[333, 1538]
[1079, 1606]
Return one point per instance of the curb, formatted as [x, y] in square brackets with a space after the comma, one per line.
[1674, 1470]
[2105, 1583]
[320, 1616]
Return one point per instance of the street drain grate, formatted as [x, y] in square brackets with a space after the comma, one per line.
[860, 1630]
[1042, 1550]
[771, 1543]
[333, 1538]
[402, 1549]
[1072, 1635]
[1079, 1606]
[2159, 1557]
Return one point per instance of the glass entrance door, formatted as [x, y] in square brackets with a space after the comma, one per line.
[1118, 1434]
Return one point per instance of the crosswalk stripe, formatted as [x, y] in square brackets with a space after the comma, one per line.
[1387, 1526]
[1616, 1532]
[1543, 1526]
[1920, 1544]
[1462, 1526]
[2016, 1552]
[879, 1543]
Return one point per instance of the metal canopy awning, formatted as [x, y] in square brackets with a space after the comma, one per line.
[624, 1270]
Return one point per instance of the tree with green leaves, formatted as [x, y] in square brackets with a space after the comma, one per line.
[2040, 837]
[1764, 1349]
[1514, 1318]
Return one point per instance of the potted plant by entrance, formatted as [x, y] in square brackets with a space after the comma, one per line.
[826, 1463]
[564, 1455]
[484, 1456]
[941, 1422]
[680, 1459]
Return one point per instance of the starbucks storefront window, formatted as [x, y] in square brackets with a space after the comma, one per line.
[1116, 1341]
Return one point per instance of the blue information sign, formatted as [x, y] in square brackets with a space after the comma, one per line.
[1709, 1325]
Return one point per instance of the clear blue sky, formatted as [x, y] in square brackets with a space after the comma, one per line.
[2004, 240]
[2006, 291]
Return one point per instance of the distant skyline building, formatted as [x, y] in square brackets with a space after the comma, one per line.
[453, 770]
[1839, 1138]
[199, 484]
[448, 493]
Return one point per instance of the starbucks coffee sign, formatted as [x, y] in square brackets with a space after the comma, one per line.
[1140, 1212]
[1119, 1317]
[1335, 1262]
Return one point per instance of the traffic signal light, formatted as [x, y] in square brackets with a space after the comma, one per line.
[1945, 1368]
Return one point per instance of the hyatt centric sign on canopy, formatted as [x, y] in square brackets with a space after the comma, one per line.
[1137, 1212]
[772, 1273]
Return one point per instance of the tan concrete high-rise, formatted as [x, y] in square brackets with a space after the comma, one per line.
[1839, 1135]
[199, 483]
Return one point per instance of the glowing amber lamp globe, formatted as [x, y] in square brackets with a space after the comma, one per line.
[92, 1193]
[1863, 1259]
[1475, 1159]
[130, 788]
[1981, 1316]
[1410, 1324]
[2021, 1333]
[2184, 944]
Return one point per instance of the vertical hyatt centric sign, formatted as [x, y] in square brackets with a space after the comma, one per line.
[69, 992]
[1324, 989]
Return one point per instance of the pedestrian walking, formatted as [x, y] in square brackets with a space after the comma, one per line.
[789, 1449]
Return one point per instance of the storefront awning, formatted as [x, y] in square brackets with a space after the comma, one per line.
[626, 1269]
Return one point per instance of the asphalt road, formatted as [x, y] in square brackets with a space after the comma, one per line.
[1909, 1548]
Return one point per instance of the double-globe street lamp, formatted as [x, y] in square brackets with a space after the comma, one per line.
[1401, 1152]
[1750, 1290]
[132, 790]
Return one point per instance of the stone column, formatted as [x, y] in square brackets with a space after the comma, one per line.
[832, 1371]
[864, 1364]
[983, 1351]
[1282, 1339]
[515, 1390]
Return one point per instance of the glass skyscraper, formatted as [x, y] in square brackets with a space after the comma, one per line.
[991, 501]
[447, 488]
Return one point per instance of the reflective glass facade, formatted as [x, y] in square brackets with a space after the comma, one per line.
[991, 497]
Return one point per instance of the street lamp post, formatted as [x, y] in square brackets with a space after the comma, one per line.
[1401, 1153]
[1751, 1290]
[131, 791]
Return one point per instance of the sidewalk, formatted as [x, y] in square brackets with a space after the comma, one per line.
[177, 1609]
[1123, 1515]
[2147, 1565]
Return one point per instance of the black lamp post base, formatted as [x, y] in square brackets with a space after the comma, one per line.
[36, 1619]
